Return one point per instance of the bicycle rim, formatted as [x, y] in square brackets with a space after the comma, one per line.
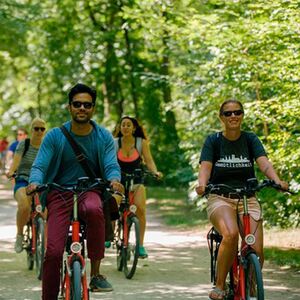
[76, 291]
[40, 246]
[253, 278]
[131, 252]
[119, 244]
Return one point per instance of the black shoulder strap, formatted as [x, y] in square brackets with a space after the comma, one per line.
[216, 146]
[78, 153]
[249, 146]
[26, 147]
[120, 142]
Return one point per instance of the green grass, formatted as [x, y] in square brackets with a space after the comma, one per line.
[283, 257]
[173, 208]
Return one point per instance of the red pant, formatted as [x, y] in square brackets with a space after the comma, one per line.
[60, 207]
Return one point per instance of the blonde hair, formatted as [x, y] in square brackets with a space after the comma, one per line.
[37, 121]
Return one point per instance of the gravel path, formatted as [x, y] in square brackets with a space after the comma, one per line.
[177, 267]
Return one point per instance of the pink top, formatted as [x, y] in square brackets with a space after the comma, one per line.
[134, 156]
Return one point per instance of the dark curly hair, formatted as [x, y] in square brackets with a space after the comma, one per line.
[139, 130]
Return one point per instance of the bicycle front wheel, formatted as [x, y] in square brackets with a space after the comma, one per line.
[40, 246]
[27, 244]
[76, 281]
[253, 278]
[119, 244]
[131, 252]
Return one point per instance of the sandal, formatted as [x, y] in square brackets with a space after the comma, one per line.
[216, 294]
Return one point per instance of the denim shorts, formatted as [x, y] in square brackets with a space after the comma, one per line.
[19, 184]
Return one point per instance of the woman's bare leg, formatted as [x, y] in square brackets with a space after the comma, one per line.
[224, 219]
[140, 202]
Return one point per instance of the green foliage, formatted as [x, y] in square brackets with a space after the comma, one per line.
[283, 257]
[172, 208]
[171, 63]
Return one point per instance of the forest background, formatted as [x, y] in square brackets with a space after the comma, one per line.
[171, 64]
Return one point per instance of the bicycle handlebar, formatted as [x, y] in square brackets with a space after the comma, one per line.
[138, 173]
[84, 184]
[252, 187]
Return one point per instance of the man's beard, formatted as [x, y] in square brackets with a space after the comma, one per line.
[81, 121]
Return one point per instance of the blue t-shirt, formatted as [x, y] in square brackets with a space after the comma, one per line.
[13, 146]
[70, 169]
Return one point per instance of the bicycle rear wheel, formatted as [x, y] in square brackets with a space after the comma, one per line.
[131, 252]
[253, 278]
[40, 246]
[76, 291]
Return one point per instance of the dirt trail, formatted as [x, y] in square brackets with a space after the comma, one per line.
[177, 267]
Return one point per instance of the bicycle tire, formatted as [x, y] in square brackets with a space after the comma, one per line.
[253, 278]
[28, 245]
[40, 246]
[76, 290]
[131, 252]
[119, 244]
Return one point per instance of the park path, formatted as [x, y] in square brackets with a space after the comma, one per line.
[177, 267]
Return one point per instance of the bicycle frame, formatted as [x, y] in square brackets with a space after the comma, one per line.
[238, 269]
[36, 210]
[75, 255]
[129, 210]
[35, 224]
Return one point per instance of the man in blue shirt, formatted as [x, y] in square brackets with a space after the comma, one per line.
[56, 162]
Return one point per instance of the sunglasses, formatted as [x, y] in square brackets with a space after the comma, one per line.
[229, 113]
[86, 105]
[42, 129]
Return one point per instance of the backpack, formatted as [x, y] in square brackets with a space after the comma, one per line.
[26, 147]
[137, 144]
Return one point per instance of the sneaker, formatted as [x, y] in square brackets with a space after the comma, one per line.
[107, 244]
[100, 284]
[19, 243]
[143, 253]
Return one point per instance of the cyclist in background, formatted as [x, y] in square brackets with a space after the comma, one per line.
[132, 150]
[3, 150]
[25, 154]
[228, 157]
[56, 162]
[21, 135]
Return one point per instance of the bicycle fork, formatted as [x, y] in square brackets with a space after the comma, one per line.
[76, 248]
[239, 263]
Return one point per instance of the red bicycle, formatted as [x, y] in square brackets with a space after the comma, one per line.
[34, 241]
[127, 229]
[73, 268]
[245, 277]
